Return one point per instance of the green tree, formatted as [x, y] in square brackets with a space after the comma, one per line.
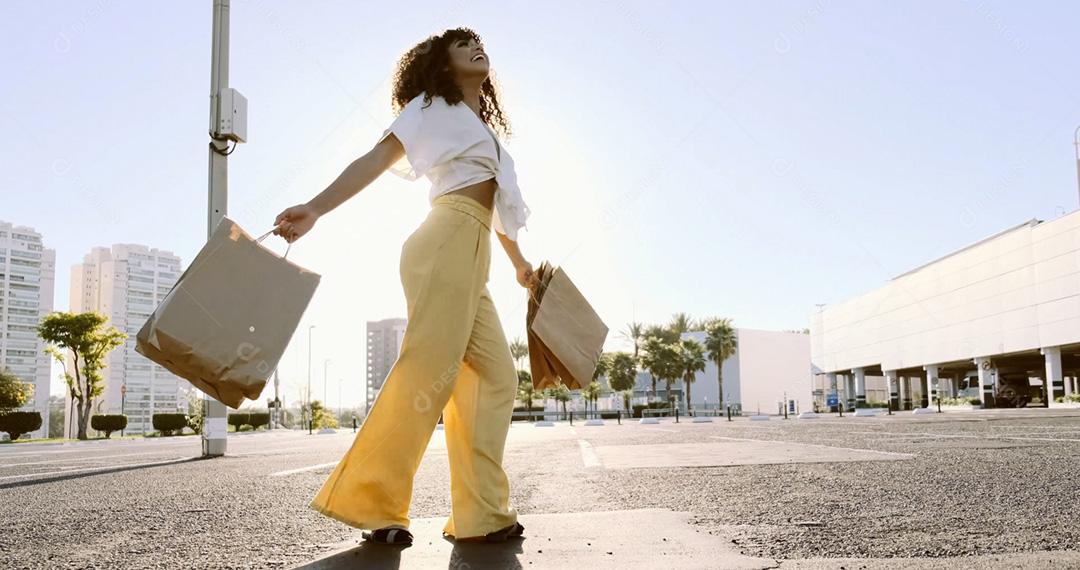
[650, 360]
[669, 368]
[680, 323]
[635, 333]
[89, 344]
[692, 360]
[14, 393]
[560, 393]
[721, 343]
[321, 417]
[56, 417]
[195, 414]
[622, 372]
[591, 393]
[526, 393]
[518, 350]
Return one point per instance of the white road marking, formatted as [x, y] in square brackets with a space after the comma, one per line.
[88, 469]
[302, 469]
[80, 459]
[588, 455]
[813, 445]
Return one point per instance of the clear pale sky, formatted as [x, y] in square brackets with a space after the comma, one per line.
[746, 160]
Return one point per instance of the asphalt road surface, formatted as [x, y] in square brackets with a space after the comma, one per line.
[989, 489]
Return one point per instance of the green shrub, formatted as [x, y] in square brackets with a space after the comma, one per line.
[962, 401]
[108, 423]
[259, 419]
[167, 424]
[239, 419]
[15, 424]
[254, 419]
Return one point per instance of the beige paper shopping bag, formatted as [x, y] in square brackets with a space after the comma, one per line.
[225, 324]
[565, 335]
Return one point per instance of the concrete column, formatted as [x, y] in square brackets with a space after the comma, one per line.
[891, 386]
[932, 384]
[849, 391]
[905, 393]
[986, 381]
[860, 387]
[831, 376]
[1055, 383]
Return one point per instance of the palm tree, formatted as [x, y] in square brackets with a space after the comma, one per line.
[560, 393]
[526, 393]
[721, 343]
[660, 332]
[634, 332]
[669, 367]
[622, 371]
[518, 350]
[692, 361]
[650, 359]
[591, 393]
[680, 323]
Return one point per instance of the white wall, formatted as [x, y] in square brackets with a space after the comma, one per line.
[770, 364]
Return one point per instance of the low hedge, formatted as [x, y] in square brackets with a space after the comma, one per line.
[253, 419]
[168, 424]
[651, 405]
[963, 401]
[108, 423]
[16, 424]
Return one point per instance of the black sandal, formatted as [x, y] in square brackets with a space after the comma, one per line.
[388, 535]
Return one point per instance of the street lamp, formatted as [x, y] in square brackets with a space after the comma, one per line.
[308, 398]
[1076, 143]
[123, 396]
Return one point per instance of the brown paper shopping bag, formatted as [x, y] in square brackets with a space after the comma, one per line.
[565, 335]
[225, 324]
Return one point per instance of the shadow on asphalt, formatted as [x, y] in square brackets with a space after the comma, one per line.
[70, 476]
[503, 555]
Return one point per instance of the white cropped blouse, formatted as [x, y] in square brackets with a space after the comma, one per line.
[454, 148]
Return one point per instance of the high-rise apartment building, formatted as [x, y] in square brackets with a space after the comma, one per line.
[27, 280]
[125, 283]
[383, 346]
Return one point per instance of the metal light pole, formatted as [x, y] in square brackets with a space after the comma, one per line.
[308, 398]
[1076, 143]
[215, 429]
[123, 397]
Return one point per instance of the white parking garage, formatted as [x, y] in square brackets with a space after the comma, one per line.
[998, 320]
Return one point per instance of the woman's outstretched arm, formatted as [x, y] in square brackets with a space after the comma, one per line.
[298, 220]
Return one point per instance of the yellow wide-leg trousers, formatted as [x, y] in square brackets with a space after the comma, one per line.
[454, 362]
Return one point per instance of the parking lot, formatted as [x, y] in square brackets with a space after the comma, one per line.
[976, 488]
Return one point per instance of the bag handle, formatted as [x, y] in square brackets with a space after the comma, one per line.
[262, 237]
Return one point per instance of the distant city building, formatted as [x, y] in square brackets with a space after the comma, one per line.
[383, 346]
[27, 282]
[125, 283]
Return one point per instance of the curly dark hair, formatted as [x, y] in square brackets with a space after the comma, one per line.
[423, 69]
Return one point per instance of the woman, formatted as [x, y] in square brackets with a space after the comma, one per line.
[454, 360]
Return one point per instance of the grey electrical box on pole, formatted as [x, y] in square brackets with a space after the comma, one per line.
[228, 121]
